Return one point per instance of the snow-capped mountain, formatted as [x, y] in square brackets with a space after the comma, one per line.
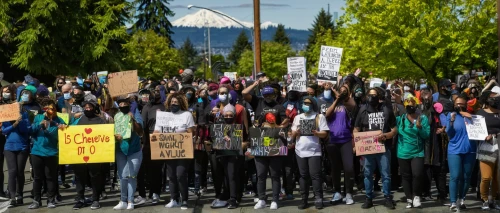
[204, 18]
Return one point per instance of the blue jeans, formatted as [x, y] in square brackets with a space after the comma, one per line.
[383, 162]
[128, 168]
[461, 167]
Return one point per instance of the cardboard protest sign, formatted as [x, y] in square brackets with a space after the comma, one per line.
[329, 63]
[87, 144]
[122, 83]
[366, 143]
[64, 117]
[230, 75]
[267, 142]
[477, 129]
[9, 112]
[307, 126]
[166, 146]
[123, 126]
[226, 136]
[297, 73]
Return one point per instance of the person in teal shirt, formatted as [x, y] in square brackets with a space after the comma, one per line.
[413, 131]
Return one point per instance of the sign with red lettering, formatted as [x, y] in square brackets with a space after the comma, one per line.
[366, 143]
[87, 144]
[167, 146]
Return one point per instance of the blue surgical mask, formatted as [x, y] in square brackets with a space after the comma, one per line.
[188, 95]
[200, 100]
[67, 96]
[6, 96]
[25, 98]
[223, 98]
[305, 108]
[327, 94]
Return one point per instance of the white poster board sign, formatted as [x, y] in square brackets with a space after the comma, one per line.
[477, 129]
[329, 63]
[230, 75]
[297, 74]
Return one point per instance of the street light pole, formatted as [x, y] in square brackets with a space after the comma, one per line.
[254, 48]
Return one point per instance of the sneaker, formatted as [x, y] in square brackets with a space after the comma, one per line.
[273, 206]
[255, 200]
[319, 203]
[121, 206]
[66, 186]
[78, 205]
[348, 199]
[453, 206]
[12, 203]
[95, 205]
[409, 203]
[389, 203]
[58, 198]
[51, 205]
[219, 204]
[130, 206]
[232, 204]
[184, 205]
[34, 205]
[260, 205]
[303, 205]
[416, 202]
[368, 204]
[337, 198]
[290, 197]
[104, 195]
[462, 203]
[486, 205]
[156, 198]
[19, 201]
[172, 204]
[139, 201]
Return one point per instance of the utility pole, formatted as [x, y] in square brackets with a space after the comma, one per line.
[256, 28]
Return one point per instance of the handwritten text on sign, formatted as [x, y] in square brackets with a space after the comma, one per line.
[329, 63]
[87, 144]
[9, 112]
[297, 73]
[477, 128]
[122, 83]
[307, 126]
[167, 146]
[367, 143]
[226, 136]
[267, 142]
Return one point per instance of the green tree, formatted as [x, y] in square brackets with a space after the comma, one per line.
[280, 36]
[151, 55]
[203, 69]
[239, 47]
[274, 56]
[322, 22]
[188, 54]
[63, 37]
[431, 39]
[154, 15]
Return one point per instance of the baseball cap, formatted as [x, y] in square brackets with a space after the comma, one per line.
[267, 90]
[445, 82]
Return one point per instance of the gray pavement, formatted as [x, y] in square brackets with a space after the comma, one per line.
[202, 204]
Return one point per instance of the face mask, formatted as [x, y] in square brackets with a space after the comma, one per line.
[411, 109]
[327, 94]
[189, 95]
[229, 120]
[427, 103]
[373, 100]
[305, 108]
[292, 96]
[25, 98]
[447, 90]
[495, 103]
[460, 109]
[343, 96]
[200, 100]
[67, 96]
[157, 97]
[175, 108]
[212, 97]
[6, 96]
[89, 113]
[125, 109]
[145, 98]
[223, 98]
[78, 97]
[269, 100]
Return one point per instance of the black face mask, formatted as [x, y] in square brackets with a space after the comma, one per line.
[494, 103]
[157, 97]
[373, 100]
[229, 120]
[293, 96]
[343, 96]
[89, 113]
[427, 103]
[447, 90]
[175, 108]
[411, 109]
[78, 97]
[460, 109]
[125, 109]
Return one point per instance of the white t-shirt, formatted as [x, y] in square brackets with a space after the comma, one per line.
[168, 122]
[309, 146]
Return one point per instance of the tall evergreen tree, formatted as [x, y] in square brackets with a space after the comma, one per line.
[280, 36]
[154, 15]
[239, 47]
[323, 21]
[188, 53]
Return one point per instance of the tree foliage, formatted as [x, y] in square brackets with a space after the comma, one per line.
[239, 47]
[154, 15]
[152, 55]
[417, 38]
[322, 22]
[61, 37]
[280, 36]
[274, 56]
[188, 54]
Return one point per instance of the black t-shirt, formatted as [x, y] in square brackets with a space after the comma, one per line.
[149, 116]
[89, 121]
[373, 119]
[261, 108]
[492, 121]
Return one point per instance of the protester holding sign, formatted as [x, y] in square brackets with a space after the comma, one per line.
[308, 150]
[44, 130]
[374, 116]
[461, 153]
[488, 149]
[128, 155]
[413, 131]
[339, 117]
[268, 103]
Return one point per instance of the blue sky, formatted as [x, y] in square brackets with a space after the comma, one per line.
[297, 14]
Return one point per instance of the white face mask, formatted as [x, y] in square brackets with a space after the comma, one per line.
[223, 98]
[327, 94]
